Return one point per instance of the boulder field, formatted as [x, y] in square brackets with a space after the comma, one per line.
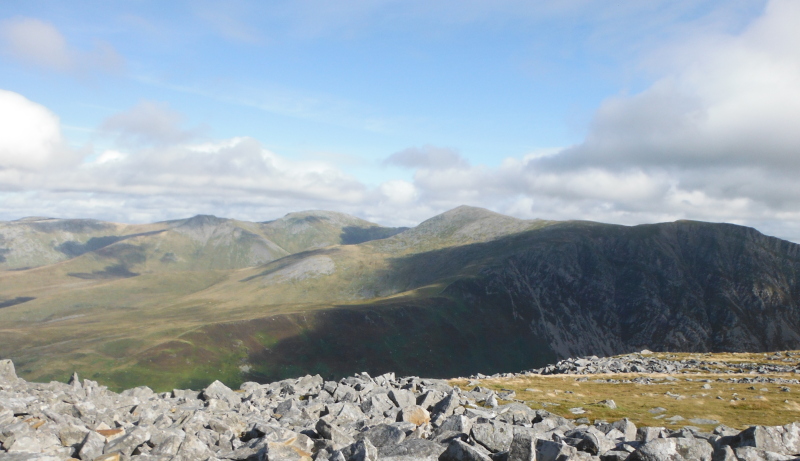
[359, 418]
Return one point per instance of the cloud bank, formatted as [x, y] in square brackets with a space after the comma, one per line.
[713, 138]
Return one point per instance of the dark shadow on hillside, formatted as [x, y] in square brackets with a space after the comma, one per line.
[15, 301]
[437, 338]
[125, 256]
[310, 219]
[72, 248]
[606, 289]
[117, 271]
[353, 235]
[421, 269]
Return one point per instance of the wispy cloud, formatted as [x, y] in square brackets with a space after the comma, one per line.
[428, 158]
[36, 42]
[41, 44]
[289, 102]
[230, 20]
[149, 123]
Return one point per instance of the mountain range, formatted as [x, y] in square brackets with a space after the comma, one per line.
[181, 303]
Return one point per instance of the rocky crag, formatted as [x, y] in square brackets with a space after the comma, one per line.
[359, 418]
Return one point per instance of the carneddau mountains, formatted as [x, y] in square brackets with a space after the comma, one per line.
[181, 303]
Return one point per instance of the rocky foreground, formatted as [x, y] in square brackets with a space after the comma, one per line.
[645, 362]
[359, 418]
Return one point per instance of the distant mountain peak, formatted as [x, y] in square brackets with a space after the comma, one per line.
[203, 220]
[320, 219]
[461, 216]
[463, 225]
[309, 229]
[473, 212]
[319, 215]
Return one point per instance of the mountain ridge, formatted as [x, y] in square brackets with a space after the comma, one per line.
[486, 292]
[34, 242]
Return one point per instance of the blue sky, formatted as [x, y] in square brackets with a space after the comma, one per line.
[394, 111]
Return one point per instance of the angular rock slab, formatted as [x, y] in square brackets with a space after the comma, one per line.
[523, 447]
[460, 451]
[674, 449]
[7, 372]
[494, 436]
[415, 414]
[777, 439]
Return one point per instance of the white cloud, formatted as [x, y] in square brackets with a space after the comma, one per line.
[725, 100]
[234, 169]
[399, 192]
[110, 156]
[31, 136]
[41, 44]
[160, 182]
[162, 178]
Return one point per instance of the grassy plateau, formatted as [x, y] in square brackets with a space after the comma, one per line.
[693, 395]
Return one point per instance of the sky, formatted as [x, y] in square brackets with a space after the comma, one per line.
[394, 111]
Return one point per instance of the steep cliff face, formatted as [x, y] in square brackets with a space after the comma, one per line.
[689, 286]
